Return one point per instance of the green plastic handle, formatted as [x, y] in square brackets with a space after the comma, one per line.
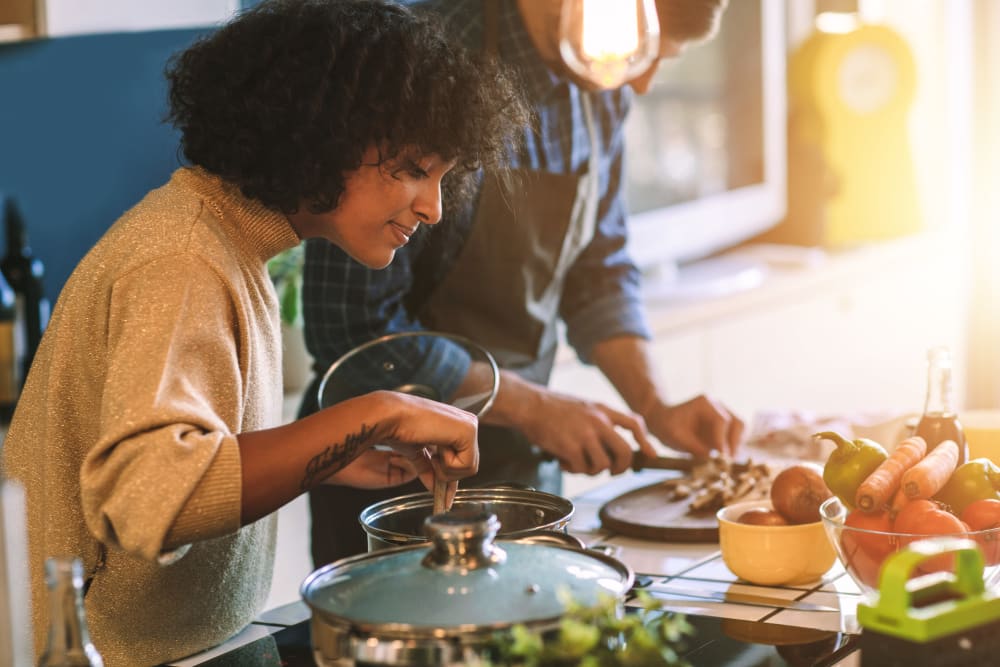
[894, 598]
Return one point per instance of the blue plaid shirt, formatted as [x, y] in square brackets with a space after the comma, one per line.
[346, 304]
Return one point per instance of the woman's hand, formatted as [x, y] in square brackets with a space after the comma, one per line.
[379, 469]
[384, 468]
[447, 433]
[335, 445]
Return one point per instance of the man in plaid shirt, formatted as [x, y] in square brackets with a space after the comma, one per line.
[542, 245]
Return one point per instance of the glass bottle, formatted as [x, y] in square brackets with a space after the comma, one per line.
[24, 273]
[11, 352]
[939, 421]
[69, 642]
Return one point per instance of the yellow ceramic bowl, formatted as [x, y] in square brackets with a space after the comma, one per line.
[773, 555]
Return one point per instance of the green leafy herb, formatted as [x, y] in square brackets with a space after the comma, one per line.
[285, 270]
[599, 636]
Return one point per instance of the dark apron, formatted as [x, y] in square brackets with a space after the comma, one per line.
[503, 292]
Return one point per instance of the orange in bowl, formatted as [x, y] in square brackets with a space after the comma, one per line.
[773, 555]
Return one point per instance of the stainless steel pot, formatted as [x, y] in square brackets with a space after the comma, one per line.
[400, 521]
[441, 603]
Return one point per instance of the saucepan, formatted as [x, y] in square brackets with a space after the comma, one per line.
[442, 603]
[520, 511]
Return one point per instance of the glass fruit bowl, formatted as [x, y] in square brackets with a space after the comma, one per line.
[862, 552]
[442, 367]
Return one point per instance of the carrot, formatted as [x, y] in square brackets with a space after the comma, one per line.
[927, 477]
[899, 500]
[881, 484]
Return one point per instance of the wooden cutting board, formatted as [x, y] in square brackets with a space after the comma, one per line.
[646, 513]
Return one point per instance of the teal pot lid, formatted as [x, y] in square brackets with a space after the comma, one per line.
[462, 581]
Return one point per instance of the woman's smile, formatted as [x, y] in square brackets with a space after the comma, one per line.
[402, 232]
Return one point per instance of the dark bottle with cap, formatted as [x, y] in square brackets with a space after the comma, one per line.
[11, 352]
[939, 421]
[24, 273]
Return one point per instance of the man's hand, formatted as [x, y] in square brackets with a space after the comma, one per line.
[699, 426]
[581, 434]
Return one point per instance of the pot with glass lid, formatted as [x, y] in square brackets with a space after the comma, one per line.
[521, 512]
[441, 603]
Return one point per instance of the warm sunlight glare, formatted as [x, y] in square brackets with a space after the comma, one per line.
[609, 30]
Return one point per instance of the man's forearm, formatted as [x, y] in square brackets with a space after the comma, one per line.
[627, 363]
[515, 399]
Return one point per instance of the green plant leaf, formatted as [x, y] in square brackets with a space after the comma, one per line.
[285, 270]
[599, 636]
[289, 303]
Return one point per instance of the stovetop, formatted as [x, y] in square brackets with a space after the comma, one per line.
[717, 642]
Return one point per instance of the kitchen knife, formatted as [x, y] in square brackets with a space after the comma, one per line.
[641, 461]
[734, 597]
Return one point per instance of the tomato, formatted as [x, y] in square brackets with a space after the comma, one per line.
[926, 517]
[878, 546]
[863, 564]
[982, 514]
[923, 518]
[985, 515]
[865, 552]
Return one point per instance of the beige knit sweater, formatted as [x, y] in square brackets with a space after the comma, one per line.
[165, 344]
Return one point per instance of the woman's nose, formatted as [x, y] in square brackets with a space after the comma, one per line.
[427, 205]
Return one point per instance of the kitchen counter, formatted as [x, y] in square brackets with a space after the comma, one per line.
[279, 637]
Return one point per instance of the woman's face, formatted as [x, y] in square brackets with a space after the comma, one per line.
[381, 207]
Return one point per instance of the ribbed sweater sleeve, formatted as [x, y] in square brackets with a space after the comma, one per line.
[166, 463]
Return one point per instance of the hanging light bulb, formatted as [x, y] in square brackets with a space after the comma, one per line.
[608, 42]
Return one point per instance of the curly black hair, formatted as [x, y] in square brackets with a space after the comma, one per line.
[284, 99]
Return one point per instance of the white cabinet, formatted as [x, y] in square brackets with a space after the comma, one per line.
[847, 336]
[18, 20]
[69, 17]
[59, 18]
[679, 362]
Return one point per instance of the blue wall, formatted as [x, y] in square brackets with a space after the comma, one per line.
[82, 137]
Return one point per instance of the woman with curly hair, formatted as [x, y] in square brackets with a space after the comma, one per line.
[148, 436]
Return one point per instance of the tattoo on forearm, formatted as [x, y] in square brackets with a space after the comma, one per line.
[335, 457]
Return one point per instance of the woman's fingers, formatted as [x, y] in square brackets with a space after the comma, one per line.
[449, 431]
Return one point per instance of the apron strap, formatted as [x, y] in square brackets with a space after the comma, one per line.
[594, 160]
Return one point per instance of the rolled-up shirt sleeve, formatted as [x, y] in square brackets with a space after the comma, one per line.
[602, 295]
[166, 469]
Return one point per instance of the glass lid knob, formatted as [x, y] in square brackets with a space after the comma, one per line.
[463, 540]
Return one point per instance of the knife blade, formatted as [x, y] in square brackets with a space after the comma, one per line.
[734, 597]
[641, 461]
